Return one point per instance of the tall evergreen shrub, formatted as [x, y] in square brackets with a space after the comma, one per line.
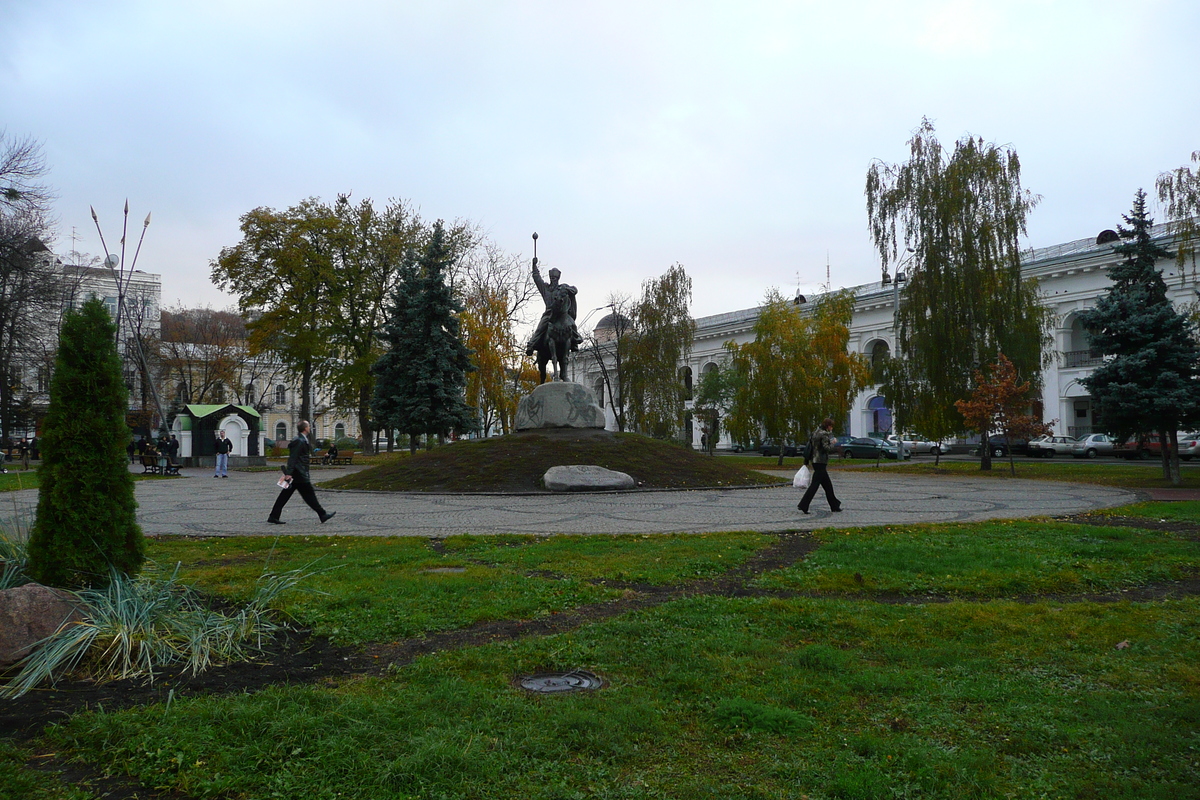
[1150, 379]
[420, 382]
[86, 514]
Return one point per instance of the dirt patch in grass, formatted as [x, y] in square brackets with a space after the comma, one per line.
[516, 463]
[1186, 529]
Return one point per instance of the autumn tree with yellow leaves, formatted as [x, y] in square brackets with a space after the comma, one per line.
[797, 370]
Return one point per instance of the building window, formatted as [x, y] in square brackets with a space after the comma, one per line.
[43, 379]
[881, 416]
[339, 431]
[281, 394]
[181, 393]
[879, 356]
[249, 394]
[280, 433]
[110, 303]
[218, 392]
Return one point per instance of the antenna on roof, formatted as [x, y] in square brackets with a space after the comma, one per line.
[828, 280]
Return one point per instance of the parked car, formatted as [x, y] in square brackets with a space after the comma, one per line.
[918, 445]
[1092, 445]
[1051, 446]
[868, 447]
[1138, 447]
[1148, 446]
[771, 448]
[998, 445]
[1189, 445]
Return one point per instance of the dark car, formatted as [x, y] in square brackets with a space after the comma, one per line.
[867, 447]
[999, 446]
[771, 448]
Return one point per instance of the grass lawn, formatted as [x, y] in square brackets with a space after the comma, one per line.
[956, 690]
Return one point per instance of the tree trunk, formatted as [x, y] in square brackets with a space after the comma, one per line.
[1169, 447]
[364, 419]
[306, 392]
[985, 451]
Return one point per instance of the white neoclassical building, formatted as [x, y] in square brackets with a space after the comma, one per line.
[1071, 277]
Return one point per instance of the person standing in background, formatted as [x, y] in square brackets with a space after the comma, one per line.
[224, 448]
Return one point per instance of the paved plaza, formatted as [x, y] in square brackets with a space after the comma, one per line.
[198, 504]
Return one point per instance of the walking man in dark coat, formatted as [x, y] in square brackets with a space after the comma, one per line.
[822, 445]
[295, 474]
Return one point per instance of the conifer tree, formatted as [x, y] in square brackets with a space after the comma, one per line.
[86, 515]
[421, 380]
[1152, 380]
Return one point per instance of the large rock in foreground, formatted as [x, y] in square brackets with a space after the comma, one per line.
[559, 404]
[29, 614]
[586, 478]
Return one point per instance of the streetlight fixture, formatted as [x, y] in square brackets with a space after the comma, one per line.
[115, 266]
[901, 277]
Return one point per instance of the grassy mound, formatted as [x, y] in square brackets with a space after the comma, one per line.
[516, 463]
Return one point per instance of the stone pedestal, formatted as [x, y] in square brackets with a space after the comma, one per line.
[559, 404]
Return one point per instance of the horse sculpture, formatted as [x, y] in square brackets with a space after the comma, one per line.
[556, 335]
[556, 345]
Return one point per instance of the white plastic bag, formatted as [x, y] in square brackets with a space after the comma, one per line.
[803, 477]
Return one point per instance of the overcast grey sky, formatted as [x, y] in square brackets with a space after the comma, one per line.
[732, 137]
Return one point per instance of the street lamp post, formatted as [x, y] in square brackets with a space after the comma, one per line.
[116, 266]
[900, 278]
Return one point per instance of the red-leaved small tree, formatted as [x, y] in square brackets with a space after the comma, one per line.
[998, 405]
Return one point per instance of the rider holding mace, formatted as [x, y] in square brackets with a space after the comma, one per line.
[557, 325]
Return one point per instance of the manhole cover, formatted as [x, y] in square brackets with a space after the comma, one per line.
[577, 680]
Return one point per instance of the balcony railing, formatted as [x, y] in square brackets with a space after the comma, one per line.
[1082, 358]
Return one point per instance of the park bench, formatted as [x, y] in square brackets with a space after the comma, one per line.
[343, 459]
[150, 465]
[172, 467]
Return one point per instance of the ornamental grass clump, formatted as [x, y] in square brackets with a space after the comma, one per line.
[13, 559]
[134, 627]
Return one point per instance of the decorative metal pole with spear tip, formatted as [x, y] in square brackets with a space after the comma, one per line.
[116, 265]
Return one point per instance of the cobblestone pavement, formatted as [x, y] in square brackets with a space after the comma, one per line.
[198, 504]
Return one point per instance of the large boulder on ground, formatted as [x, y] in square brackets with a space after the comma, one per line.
[586, 478]
[559, 404]
[29, 614]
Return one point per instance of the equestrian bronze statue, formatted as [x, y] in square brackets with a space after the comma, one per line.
[556, 336]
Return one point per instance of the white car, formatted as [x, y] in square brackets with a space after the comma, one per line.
[1051, 446]
[1092, 445]
[918, 446]
[1189, 445]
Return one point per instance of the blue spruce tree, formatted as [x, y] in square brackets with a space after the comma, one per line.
[421, 380]
[1151, 380]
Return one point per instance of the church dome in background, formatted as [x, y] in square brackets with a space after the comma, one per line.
[606, 328]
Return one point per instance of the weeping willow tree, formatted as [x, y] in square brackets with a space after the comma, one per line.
[1179, 191]
[956, 220]
[663, 331]
[797, 371]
